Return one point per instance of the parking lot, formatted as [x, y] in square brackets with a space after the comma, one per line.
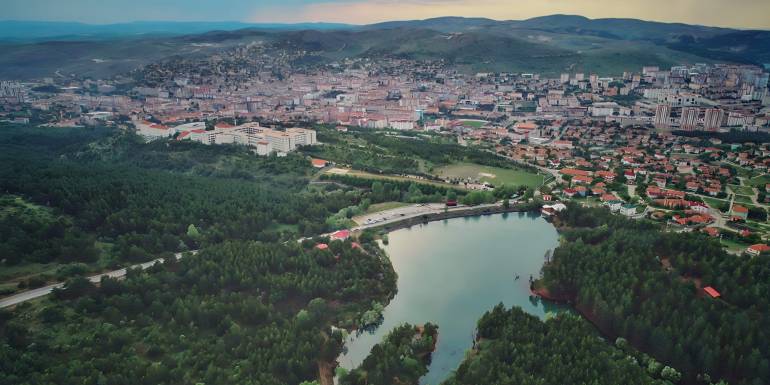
[398, 213]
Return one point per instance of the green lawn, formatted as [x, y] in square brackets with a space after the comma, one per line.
[494, 175]
[377, 207]
[760, 181]
[734, 246]
[742, 190]
[715, 203]
[742, 199]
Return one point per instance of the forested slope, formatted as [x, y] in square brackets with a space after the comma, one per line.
[514, 347]
[236, 313]
[616, 272]
[144, 199]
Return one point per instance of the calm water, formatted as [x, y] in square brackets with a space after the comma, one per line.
[451, 272]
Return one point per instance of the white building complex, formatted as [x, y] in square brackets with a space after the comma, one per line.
[264, 140]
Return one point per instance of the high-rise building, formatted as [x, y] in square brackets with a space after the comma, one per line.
[712, 120]
[689, 118]
[662, 115]
[564, 78]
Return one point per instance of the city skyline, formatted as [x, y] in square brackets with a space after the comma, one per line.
[744, 14]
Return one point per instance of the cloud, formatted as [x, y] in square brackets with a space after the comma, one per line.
[732, 13]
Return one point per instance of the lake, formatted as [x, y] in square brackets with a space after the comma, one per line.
[450, 272]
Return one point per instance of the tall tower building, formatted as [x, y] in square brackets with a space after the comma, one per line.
[662, 115]
[689, 119]
[713, 119]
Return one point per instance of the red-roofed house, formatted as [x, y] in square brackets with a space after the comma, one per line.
[574, 172]
[340, 235]
[740, 212]
[758, 249]
[609, 176]
[318, 163]
[711, 292]
[321, 246]
[711, 231]
[582, 179]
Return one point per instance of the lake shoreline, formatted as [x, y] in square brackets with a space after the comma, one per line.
[469, 212]
[492, 230]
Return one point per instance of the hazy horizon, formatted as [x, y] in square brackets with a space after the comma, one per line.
[742, 14]
[359, 24]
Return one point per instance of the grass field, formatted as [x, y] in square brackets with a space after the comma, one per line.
[715, 203]
[733, 246]
[377, 207]
[473, 123]
[760, 181]
[742, 199]
[742, 190]
[494, 175]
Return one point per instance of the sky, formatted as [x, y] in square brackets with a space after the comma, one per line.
[726, 13]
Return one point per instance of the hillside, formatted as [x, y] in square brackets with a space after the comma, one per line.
[578, 33]
[549, 45]
[30, 31]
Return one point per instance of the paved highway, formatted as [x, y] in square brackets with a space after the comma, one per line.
[45, 290]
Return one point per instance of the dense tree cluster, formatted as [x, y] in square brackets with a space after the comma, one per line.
[413, 192]
[401, 358]
[514, 347]
[144, 198]
[394, 190]
[236, 313]
[645, 285]
[34, 234]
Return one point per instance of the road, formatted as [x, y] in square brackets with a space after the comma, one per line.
[384, 217]
[398, 213]
[45, 290]
[401, 213]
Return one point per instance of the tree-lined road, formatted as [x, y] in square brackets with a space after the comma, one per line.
[45, 290]
[383, 218]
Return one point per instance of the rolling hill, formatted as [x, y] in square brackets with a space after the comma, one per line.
[549, 44]
[35, 31]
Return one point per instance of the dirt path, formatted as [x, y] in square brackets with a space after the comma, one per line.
[325, 373]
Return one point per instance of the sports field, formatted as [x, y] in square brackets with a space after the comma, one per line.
[473, 123]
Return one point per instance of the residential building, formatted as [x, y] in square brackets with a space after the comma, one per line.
[712, 120]
[689, 118]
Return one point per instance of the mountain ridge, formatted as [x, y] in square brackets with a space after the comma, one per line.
[549, 44]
